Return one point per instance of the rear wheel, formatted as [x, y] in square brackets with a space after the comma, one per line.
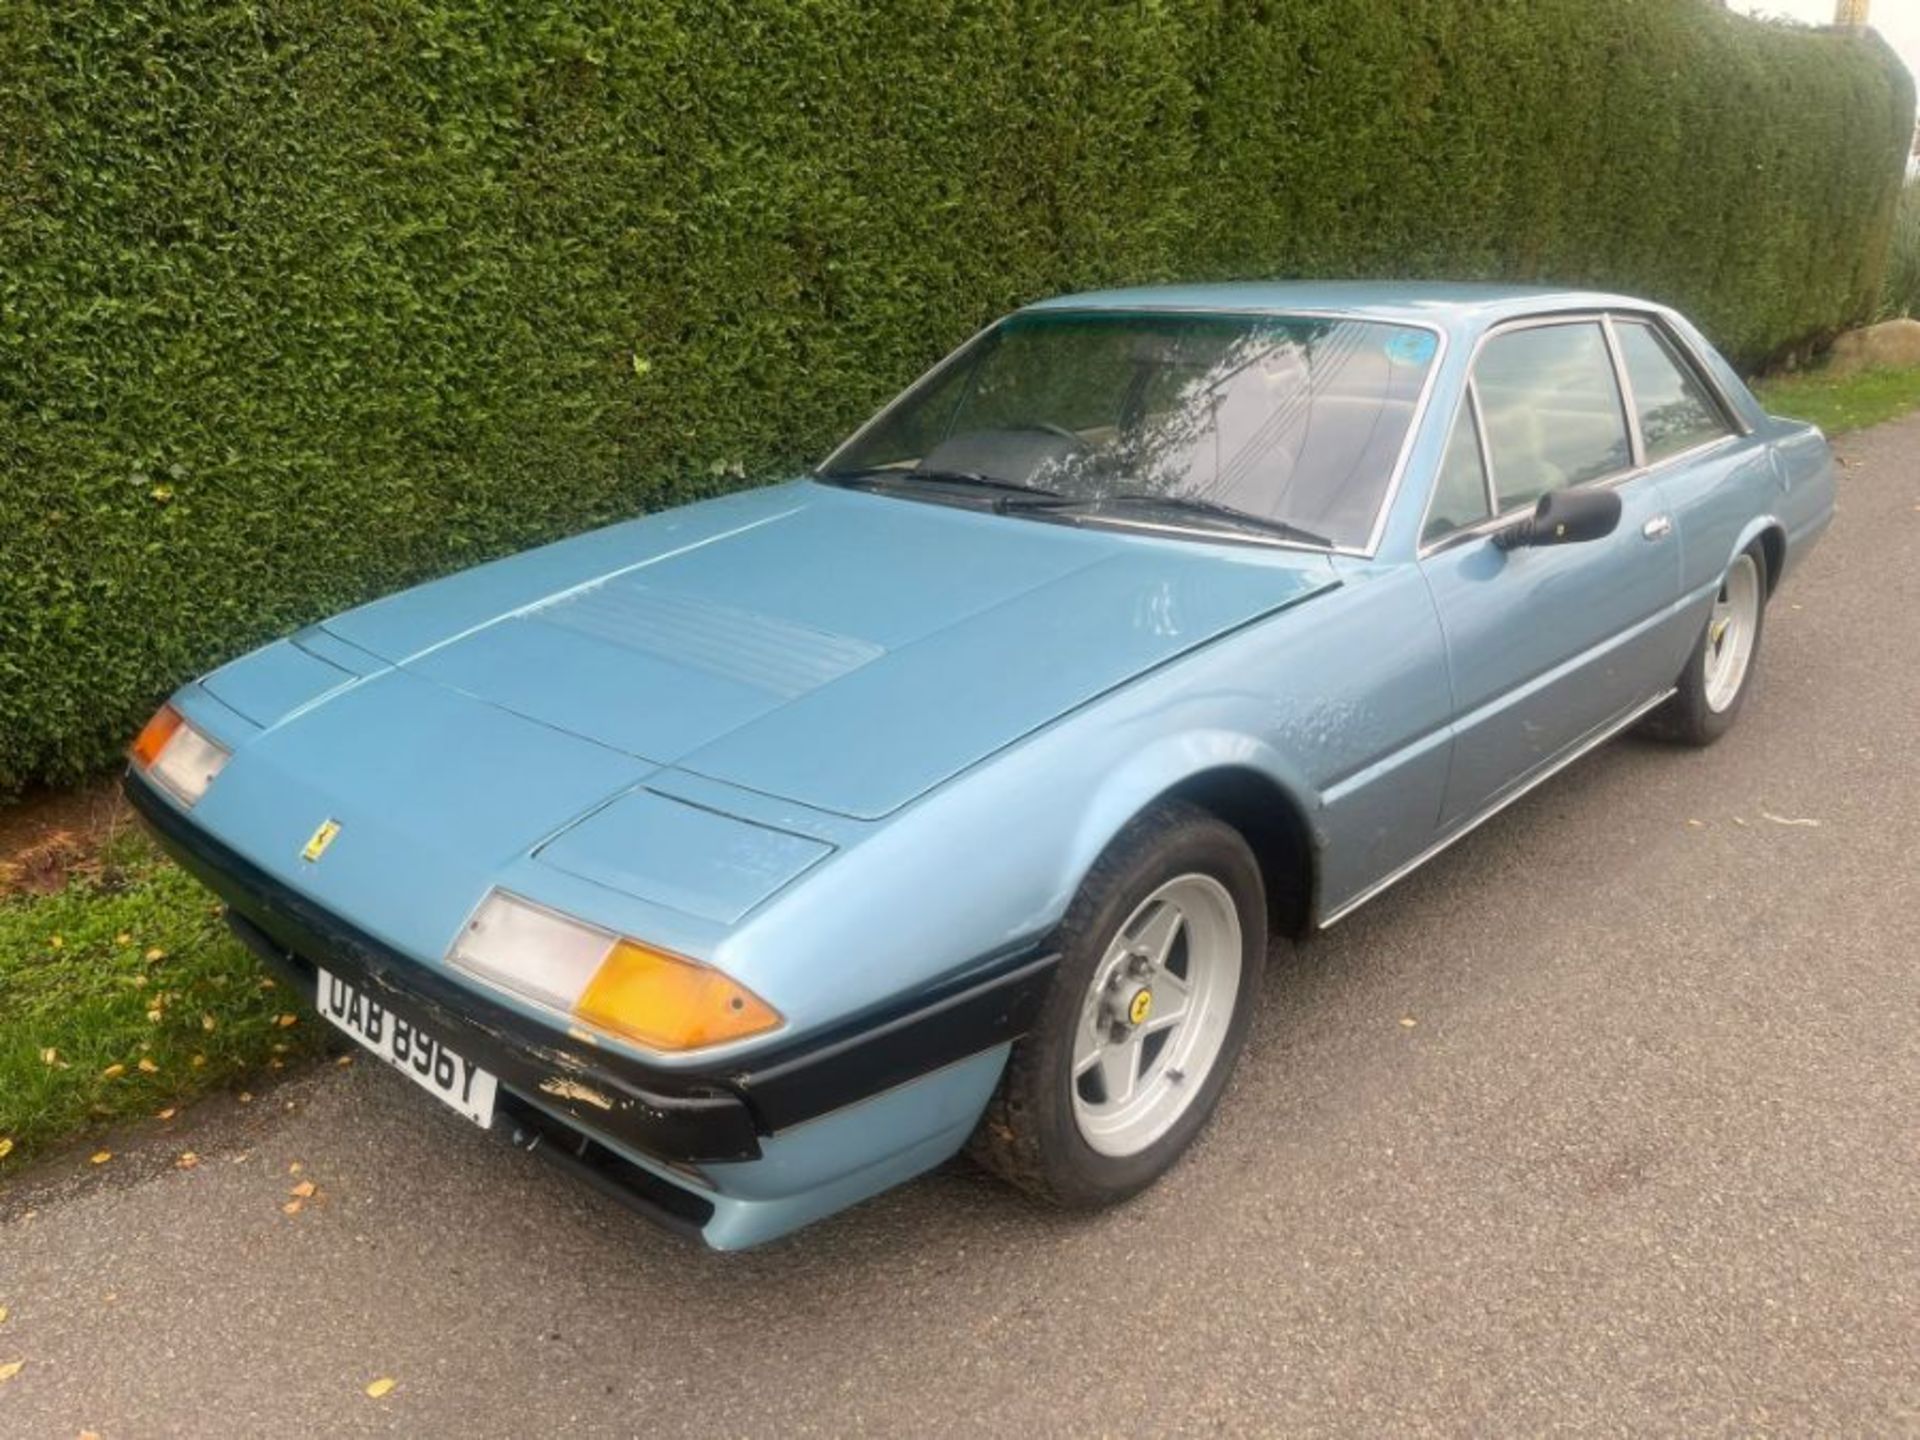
[1161, 957]
[1713, 686]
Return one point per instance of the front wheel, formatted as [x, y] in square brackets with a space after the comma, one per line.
[1161, 959]
[1713, 686]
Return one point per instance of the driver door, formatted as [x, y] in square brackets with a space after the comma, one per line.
[1546, 646]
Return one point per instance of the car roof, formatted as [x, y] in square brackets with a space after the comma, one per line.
[1455, 305]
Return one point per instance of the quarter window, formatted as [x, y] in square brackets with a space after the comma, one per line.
[1460, 497]
[1551, 405]
[1676, 413]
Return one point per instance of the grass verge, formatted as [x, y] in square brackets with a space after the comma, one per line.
[1840, 404]
[123, 994]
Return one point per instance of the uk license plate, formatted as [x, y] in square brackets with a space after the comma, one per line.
[416, 1053]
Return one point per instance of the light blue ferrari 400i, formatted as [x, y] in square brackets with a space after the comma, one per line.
[752, 857]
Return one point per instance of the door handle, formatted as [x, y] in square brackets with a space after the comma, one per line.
[1658, 528]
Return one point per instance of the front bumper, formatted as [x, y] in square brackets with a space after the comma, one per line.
[591, 1107]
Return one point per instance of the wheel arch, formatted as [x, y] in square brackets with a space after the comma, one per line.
[1773, 546]
[1275, 826]
[1770, 535]
[1243, 782]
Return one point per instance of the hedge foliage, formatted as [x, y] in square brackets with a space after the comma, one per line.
[301, 300]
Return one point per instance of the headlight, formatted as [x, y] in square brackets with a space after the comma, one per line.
[651, 997]
[176, 756]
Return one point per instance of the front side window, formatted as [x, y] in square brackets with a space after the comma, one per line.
[1676, 413]
[1296, 421]
[1551, 405]
[1460, 497]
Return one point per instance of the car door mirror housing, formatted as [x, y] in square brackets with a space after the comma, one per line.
[1564, 517]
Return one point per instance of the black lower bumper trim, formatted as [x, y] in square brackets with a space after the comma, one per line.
[676, 1116]
[612, 1174]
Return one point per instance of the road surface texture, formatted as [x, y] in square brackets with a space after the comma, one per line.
[1607, 1121]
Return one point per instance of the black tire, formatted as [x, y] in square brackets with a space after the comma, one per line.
[1028, 1135]
[1687, 718]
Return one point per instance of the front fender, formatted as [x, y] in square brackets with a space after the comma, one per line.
[1175, 761]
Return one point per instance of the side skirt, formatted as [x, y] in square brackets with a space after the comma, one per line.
[1592, 742]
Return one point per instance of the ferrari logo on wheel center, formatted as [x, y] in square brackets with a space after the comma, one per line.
[1140, 1007]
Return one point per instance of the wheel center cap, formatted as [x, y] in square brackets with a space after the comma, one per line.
[1140, 1006]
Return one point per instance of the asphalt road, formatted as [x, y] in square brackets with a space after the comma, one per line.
[1647, 1159]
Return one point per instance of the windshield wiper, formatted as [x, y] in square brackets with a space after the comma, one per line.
[885, 475]
[1210, 510]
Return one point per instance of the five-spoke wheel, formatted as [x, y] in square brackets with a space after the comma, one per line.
[1161, 954]
[1715, 682]
[1156, 1013]
[1732, 632]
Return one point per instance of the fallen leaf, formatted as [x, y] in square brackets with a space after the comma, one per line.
[155, 1015]
[50, 1056]
[294, 1168]
[167, 1114]
[246, 1097]
[3, 1314]
[304, 1190]
[113, 1072]
[1784, 820]
[147, 1067]
[1408, 1021]
[123, 938]
[377, 1388]
[292, 1207]
[283, 1021]
[6, 1147]
[207, 1022]
[14, 1367]
[1697, 824]
[100, 1157]
[156, 953]
[198, 1061]
[344, 1061]
[54, 942]
[186, 1161]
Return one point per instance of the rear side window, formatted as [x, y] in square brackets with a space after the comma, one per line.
[1676, 413]
[1551, 405]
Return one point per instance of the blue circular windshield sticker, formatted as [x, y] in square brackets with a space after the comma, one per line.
[1411, 347]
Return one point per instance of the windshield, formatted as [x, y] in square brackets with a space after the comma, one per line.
[1294, 420]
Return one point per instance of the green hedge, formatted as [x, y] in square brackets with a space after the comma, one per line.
[302, 300]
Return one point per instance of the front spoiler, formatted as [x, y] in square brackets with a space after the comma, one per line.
[678, 1117]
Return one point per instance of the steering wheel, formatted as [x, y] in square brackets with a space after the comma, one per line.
[1059, 431]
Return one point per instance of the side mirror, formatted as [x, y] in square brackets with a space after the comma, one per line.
[1564, 517]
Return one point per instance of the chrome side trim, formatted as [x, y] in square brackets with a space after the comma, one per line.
[1486, 448]
[1592, 742]
[1629, 407]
